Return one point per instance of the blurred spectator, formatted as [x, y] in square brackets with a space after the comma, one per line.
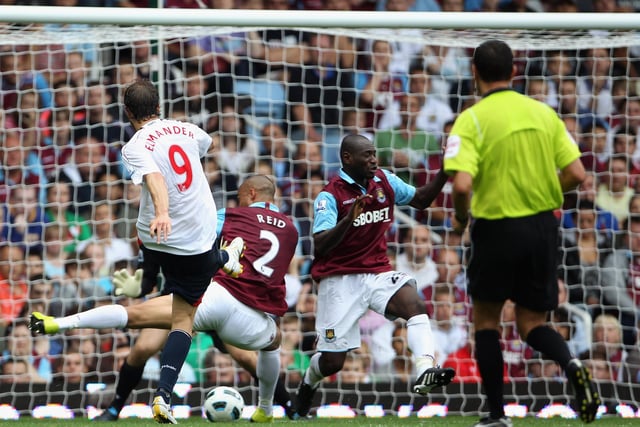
[579, 319]
[77, 69]
[625, 142]
[402, 368]
[18, 371]
[513, 347]
[634, 205]
[32, 121]
[537, 88]
[464, 363]
[126, 225]
[405, 149]
[24, 218]
[614, 193]
[70, 368]
[224, 184]
[377, 85]
[559, 66]
[434, 112]
[450, 70]
[568, 103]
[594, 82]
[53, 255]
[302, 213]
[116, 248]
[630, 122]
[272, 50]
[238, 151]
[416, 258]
[102, 116]
[218, 368]
[403, 51]
[593, 145]
[606, 222]
[607, 340]
[88, 160]
[317, 94]
[278, 148]
[307, 162]
[201, 102]
[452, 272]
[59, 210]
[354, 370]
[582, 253]
[294, 361]
[14, 166]
[218, 55]
[620, 283]
[20, 346]
[35, 266]
[449, 332]
[600, 366]
[306, 310]
[41, 297]
[108, 187]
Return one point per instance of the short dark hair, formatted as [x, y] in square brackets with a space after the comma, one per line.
[141, 99]
[493, 60]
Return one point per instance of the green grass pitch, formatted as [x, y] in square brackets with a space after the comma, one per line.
[449, 421]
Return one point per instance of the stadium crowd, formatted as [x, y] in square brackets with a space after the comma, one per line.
[278, 102]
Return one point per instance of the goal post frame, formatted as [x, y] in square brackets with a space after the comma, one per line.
[301, 18]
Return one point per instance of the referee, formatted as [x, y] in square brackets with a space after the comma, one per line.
[507, 149]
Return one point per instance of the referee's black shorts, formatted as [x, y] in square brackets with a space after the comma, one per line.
[516, 259]
[185, 275]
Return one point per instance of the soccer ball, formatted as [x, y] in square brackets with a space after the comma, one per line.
[223, 404]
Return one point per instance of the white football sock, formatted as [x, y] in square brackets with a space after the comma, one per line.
[267, 371]
[420, 342]
[106, 316]
[313, 375]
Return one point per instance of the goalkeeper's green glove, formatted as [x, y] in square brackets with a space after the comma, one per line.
[126, 284]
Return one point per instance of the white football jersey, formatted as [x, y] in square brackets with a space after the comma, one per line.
[174, 149]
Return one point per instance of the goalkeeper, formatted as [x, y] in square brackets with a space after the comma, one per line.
[239, 310]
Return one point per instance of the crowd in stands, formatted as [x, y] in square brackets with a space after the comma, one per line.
[279, 102]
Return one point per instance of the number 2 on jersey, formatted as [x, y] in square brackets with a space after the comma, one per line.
[261, 263]
[181, 168]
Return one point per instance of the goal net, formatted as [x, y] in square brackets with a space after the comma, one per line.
[278, 101]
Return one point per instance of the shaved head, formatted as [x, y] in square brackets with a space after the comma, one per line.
[262, 185]
[353, 143]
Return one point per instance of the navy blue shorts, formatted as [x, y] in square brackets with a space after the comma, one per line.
[185, 275]
[516, 259]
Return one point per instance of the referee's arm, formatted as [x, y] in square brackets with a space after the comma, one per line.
[461, 193]
[572, 175]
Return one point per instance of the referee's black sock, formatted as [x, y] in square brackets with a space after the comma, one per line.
[491, 366]
[129, 377]
[551, 344]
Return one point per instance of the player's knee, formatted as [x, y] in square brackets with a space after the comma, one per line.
[331, 363]
[275, 343]
[142, 352]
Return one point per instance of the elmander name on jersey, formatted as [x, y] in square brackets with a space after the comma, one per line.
[270, 220]
[159, 132]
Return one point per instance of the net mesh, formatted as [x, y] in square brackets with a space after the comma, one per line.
[69, 209]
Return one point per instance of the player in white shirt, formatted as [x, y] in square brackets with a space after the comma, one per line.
[173, 224]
